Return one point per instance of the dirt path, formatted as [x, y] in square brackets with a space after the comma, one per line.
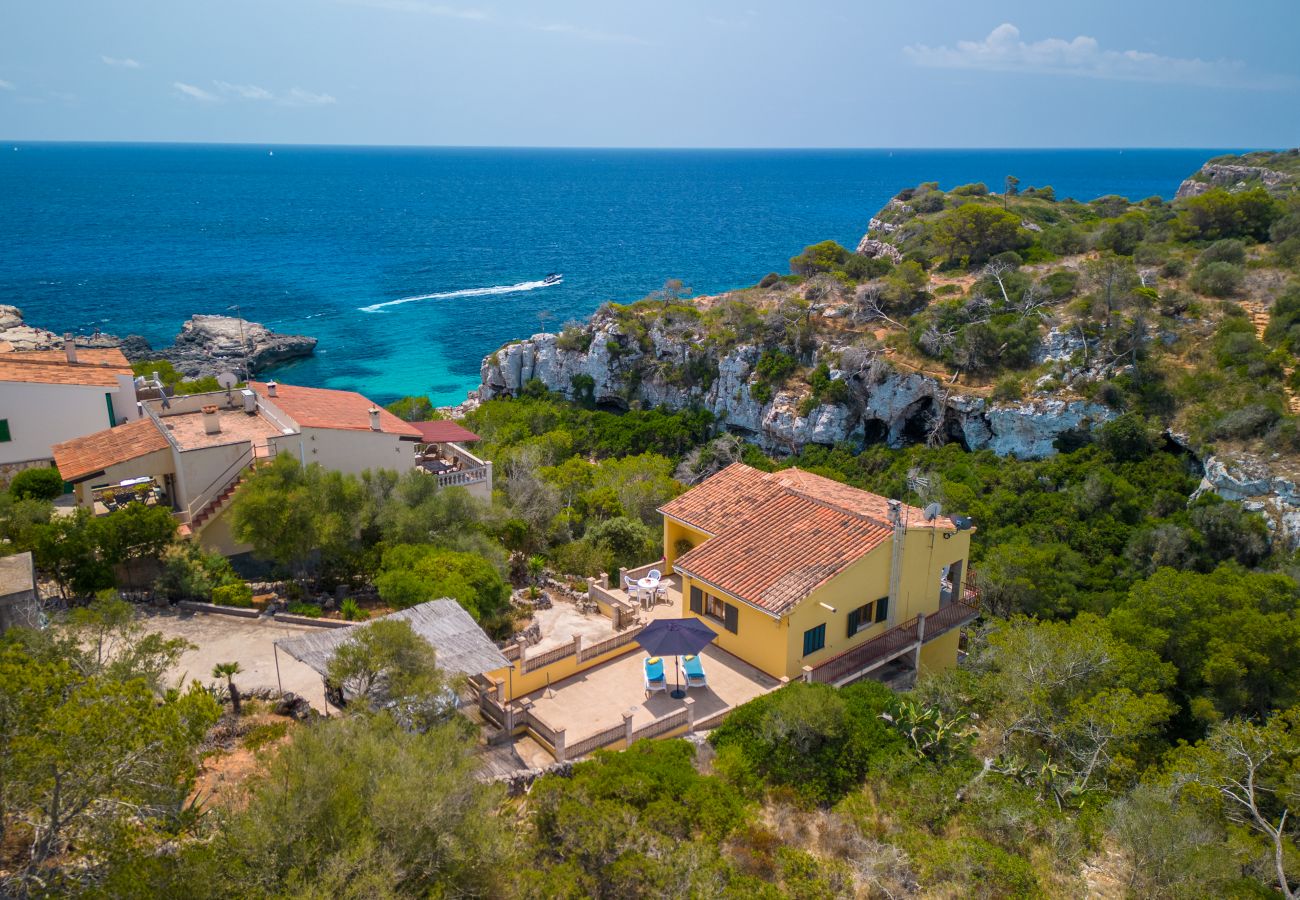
[1260, 318]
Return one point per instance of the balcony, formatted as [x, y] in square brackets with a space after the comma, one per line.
[898, 641]
[453, 465]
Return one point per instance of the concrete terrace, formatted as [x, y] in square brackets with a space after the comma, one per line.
[564, 621]
[596, 699]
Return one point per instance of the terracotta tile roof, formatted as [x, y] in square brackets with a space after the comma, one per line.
[715, 503]
[780, 535]
[97, 367]
[442, 431]
[325, 408]
[83, 457]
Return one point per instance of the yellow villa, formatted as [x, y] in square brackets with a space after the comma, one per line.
[804, 577]
[801, 578]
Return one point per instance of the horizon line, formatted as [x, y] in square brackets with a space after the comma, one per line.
[729, 148]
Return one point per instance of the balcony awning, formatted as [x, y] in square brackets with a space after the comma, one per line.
[443, 431]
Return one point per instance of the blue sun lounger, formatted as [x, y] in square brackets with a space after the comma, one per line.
[654, 675]
[694, 671]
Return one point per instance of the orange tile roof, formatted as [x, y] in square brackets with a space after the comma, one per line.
[325, 408]
[440, 431]
[97, 367]
[780, 535]
[84, 457]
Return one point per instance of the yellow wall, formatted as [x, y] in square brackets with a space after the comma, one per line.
[776, 645]
[518, 683]
[760, 639]
[674, 531]
[941, 653]
[216, 534]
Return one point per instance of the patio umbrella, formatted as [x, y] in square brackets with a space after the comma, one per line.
[676, 637]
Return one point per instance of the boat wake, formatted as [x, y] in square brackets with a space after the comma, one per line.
[468, 292]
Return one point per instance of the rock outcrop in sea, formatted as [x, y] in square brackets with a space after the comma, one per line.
[883, 404]
[206, 345]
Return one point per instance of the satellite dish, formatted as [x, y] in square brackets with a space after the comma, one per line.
[932, 512]
[227, 380]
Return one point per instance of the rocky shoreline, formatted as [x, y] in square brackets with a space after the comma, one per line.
[206, 345]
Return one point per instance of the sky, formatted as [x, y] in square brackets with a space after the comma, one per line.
[669, 73]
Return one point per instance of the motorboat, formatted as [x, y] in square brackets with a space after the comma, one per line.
[553, 278]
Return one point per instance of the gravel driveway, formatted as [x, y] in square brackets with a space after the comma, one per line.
[248, 642]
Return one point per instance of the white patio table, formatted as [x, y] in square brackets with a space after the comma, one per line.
[645, 588]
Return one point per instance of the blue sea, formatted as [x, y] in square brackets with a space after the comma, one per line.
[411, 265]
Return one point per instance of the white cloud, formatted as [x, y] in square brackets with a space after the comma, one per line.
[7, 85]
[120, 62]
[196, 93]
[244, 91]
[299, 97]
[1004, 51]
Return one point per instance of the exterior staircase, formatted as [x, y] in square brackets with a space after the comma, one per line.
[217, 503]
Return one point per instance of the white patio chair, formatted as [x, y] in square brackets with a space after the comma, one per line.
[655, 574]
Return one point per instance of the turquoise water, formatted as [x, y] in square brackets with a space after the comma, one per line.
[411, 265]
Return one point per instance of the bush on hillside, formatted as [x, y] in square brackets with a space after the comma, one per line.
[814, 739]
[1218, 279]
[36, 484]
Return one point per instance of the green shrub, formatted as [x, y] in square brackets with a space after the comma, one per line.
[414, 409]
[352, 612]
[239, 595]
[1009, 387]
[573, 338]
[264, 733]
[814, 739]
[37, 484]
[1218, 279]
[190, 574]
[1227, 250]
[310, 610]
[1249, 421]
[771, 279]
[978, 189]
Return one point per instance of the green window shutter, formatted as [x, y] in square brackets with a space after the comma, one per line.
[882, 609]
[854, 618]
[697, 601]
[729, 618]
[112, 419]
[4, 431]
[814, 639]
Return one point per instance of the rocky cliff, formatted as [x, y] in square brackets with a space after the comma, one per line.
[881, 404]
[1275, 172]
[206, 345]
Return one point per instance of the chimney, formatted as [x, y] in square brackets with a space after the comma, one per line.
[211, 420]
[270, 388]
[895, 513]
[374, 418]
[69, 347]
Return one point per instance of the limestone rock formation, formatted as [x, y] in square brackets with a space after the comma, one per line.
[207, 345]
[1259, 485]
[883, 405]
[1234, 176]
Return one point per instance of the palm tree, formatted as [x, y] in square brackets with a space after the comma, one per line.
[228, 671]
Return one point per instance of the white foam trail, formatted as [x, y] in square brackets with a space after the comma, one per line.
[468, 292]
